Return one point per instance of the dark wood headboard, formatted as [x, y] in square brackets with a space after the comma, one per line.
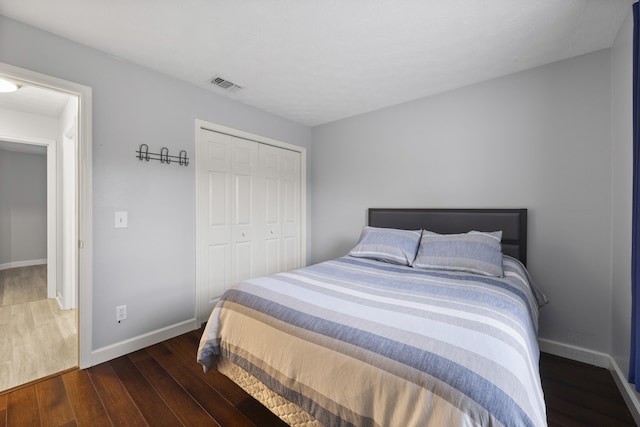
[512, 222]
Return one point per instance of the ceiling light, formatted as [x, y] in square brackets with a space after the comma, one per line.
[8, 85]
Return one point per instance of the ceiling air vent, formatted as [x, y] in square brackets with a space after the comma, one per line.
[225, 84]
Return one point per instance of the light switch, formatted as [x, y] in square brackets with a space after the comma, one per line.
[120, 220]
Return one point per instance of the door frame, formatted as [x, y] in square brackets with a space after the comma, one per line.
[84, 246]
[202, 124]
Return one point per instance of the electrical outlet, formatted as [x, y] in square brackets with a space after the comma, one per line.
[121, 313]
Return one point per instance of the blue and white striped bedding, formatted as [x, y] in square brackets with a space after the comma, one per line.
[358, 342]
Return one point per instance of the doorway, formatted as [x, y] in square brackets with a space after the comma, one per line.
[68, 195]
[39, 337]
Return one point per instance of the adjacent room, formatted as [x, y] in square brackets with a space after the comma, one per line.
[214, 160]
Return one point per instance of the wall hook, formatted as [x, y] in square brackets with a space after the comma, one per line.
[163, 156]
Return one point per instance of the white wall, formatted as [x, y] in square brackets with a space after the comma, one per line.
[538, 139]
[149, 266]
[622, 176]
[23, 197]
[35, 126]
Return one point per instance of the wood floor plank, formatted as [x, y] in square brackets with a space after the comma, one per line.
[580, 394]
[207, 397]
[22, 407]
[189, 412]
[84, 399]
[121, 408]
[594, 406]
[53, 402]
[152, 406]
[186, 346]
[3, 410]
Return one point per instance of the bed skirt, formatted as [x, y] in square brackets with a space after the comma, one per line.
[288, 412]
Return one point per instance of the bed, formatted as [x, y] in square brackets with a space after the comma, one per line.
[403, 333]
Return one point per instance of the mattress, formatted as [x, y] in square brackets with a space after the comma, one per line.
[358, 342]
[287, 411]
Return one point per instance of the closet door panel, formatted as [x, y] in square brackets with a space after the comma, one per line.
[246, 210]
[243, 260]
[291, 253]
[270, 174]
[218, 263]
[214, 218]
[290, 188]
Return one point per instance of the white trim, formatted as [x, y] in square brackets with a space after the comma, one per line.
[59, 301]
[629, 395]
[201, 124]
[572, 352]
[68, 177]
[602, 360]
[85, 284]
[130, 345]
[54, 214]
[27, 263]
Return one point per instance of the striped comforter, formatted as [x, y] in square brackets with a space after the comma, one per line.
[357, 342]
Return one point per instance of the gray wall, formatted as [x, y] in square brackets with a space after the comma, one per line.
[23, 207]
[149, 266]
[538, 139]
[622, 175]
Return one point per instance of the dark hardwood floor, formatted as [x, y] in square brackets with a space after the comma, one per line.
[578, 394]
[162, 385]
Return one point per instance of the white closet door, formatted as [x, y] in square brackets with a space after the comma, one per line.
[290, 185]
[214, 218]
[247, 211]
[271, 171]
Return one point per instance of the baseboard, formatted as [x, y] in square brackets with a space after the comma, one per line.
[572, 352]
[27, 263]
[602, 360]
[130, 345]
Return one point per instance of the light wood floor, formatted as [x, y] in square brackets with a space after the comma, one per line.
[37, 339]
[23, 284]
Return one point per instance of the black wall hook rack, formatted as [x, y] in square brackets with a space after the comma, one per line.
[164, 157]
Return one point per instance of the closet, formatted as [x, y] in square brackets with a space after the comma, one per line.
[248, 212]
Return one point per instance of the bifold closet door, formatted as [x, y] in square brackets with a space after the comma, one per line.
[280, 170]
[214, 209]
[270, 171]
[291, 215]
[248, 213]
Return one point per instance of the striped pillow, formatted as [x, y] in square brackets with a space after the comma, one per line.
[473, 252]
[388, 245]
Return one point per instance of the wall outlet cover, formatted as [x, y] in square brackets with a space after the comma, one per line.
[121, 220]
[121, 313]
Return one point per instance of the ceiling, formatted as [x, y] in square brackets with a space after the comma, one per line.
[35, 100]
[319, 61]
